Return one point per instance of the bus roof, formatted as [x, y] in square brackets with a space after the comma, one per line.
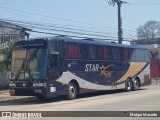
[85, 41]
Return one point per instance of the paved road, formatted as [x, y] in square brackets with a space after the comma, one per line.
[145, 99]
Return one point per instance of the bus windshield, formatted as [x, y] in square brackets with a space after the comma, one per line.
[30, 63]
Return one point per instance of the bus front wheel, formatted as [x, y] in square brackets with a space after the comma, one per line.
[128, 85]
[72, 91]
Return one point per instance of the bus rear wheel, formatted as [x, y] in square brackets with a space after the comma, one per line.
[71, 91]
[136, 84]
[128, 85]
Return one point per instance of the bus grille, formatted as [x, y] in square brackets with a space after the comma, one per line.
[24, 84]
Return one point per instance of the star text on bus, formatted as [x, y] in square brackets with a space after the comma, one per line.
[91, 67]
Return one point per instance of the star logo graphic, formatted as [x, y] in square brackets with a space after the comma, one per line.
[104, 72]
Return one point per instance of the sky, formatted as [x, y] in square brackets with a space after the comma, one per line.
[91, 18]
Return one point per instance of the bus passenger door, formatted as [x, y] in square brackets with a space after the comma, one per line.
[56, 59]
[53, 64]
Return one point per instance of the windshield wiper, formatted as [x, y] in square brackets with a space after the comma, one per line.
[25, 66]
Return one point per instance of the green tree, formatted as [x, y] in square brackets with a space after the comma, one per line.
[6, 54]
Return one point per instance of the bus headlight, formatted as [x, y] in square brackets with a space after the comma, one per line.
[12, 85]
[39, 84]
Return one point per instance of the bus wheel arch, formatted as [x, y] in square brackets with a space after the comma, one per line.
[72, 89]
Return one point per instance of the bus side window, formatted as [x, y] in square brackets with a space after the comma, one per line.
[102, 53]
[110, 55]
[142, 55]
[92, 52]
[54, 47]
[128, 54]
[105, 53]
[83, 52]
[73, 51]
[116, 54]
[121, 54]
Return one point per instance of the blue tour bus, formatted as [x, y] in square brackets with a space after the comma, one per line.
[47, 67]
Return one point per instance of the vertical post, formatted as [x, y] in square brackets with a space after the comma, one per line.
[119, 3]
[120, 39]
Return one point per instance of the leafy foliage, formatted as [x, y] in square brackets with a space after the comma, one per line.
[7, 52]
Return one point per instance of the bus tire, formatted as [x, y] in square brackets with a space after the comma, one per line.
[136, 85]
[128, 85]
[71, 91]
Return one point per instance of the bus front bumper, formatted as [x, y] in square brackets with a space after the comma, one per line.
[34, 91]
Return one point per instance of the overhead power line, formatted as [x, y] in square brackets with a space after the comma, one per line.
[52, 17]
[64, 30]
[50, 33]
[62, 19]
[55, 26]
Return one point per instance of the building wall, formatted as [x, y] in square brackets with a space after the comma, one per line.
[10, 31]
[155, 62]
[154, 47]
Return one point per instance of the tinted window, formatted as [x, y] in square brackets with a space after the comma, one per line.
[92, 52]
[102, 53]
[127, 54]
[83, 51]
[54, 47]
[73, 51]
[110, 54]
[57, 47]
[105, 53]
[140, 55]
[116, 54]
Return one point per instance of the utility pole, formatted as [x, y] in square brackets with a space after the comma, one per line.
[119, 3]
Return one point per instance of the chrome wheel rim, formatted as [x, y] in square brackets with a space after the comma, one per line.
[128, 85]
[72, 91]
[136, 84]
